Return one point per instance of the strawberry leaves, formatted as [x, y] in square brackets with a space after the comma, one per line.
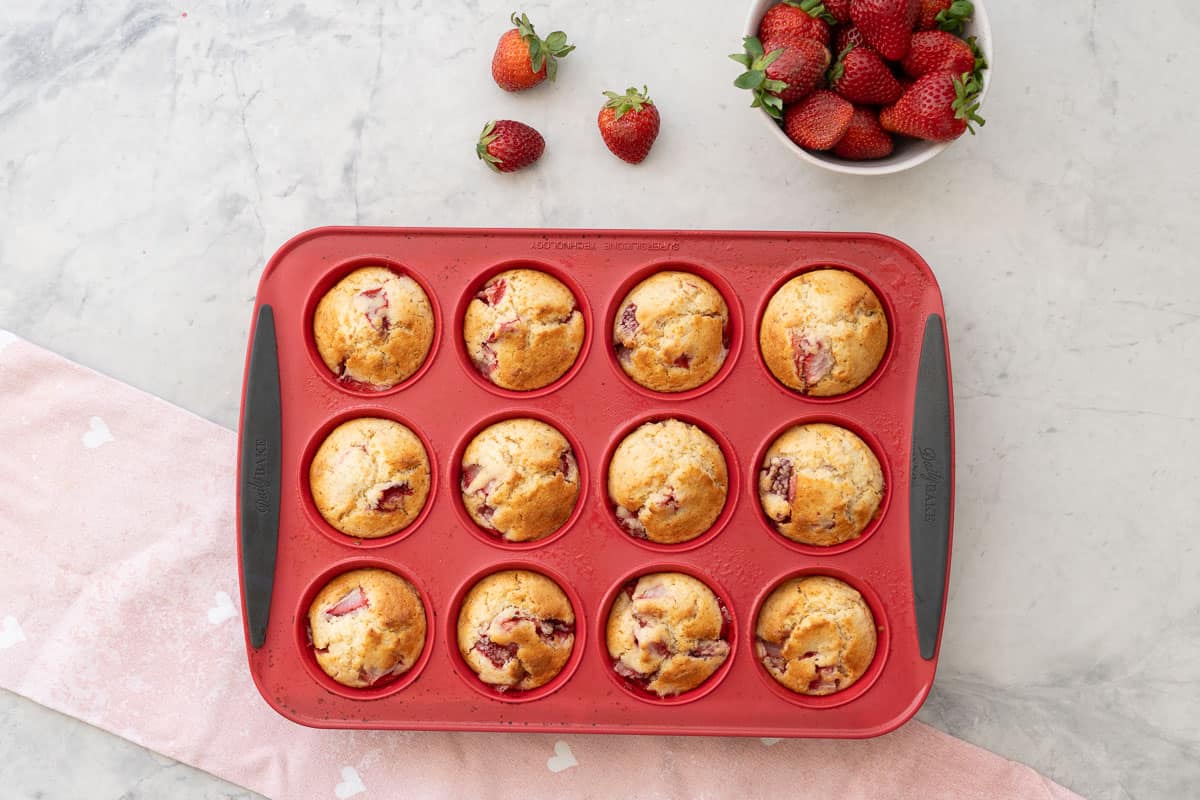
[542, 52]
[766, 91]
[814, 8]
[980, 61]
[632, 100]
[965, 105]
[486, 137]
[951, 19]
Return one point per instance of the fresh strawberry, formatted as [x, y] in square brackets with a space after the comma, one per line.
[936, 51]
[794, 19]
[946, 15]
[838, 9]
[861, 77]
[784, 75]
[938, 107]
[886, 24]
[819, 122]
[522, 60]
[629, 124]
[848, 35]
[507, 146]
[865, 138]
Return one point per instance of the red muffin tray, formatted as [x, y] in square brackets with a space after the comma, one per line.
[291, 401]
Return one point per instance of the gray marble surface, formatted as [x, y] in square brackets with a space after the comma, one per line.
[153, 154]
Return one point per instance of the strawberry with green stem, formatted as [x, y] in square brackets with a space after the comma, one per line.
[939, 106]
[629, 124]
[523, 60]
[861, 76]
[784, 75]
[794, 19]
[945, 15]
[936, 51]
[507, 146]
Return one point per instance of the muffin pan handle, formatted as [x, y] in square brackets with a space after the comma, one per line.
[259, 475]
[931, 486]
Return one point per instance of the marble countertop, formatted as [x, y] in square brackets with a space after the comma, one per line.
[153, 154]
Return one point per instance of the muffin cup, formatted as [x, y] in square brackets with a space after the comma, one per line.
[477, 283]
[515, 695]
[734, 329]
[304, 645]
[729, 633]
[868, 678]
[327, 282]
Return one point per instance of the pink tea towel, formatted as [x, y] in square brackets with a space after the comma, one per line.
[120, 607]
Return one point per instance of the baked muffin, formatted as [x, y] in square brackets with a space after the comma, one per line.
[367, 627]
[374, 328]
[667, 481]
[823, 333]
[370, 477]
[820, 484]
[516, 629]
[667, 633]
[815, 635]
[519, 479]
[671, 332]
[523, 330]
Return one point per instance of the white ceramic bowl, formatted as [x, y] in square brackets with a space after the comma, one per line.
[909, 152]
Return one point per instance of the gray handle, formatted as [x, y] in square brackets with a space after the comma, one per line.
[259, 472]
[931, 486]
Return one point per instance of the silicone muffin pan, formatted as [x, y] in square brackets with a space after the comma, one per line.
[290, 401]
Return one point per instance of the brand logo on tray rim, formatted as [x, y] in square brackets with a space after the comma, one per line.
[260, 482]
[929, 473]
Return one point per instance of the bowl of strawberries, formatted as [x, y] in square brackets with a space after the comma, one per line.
[867, 87]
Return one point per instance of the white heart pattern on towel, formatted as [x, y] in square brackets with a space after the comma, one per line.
[10, 633]
[562, 759]
[223, 609]
[351, 784]
[770, 742]
[97, 434]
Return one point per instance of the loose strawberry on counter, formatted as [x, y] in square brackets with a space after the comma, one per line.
[865, 139]
[523, 60]
[939, 107]
[887, 25]
[629, 124]
[819, 121]
[785, 75]
[862, 77]
[794, 19]
[507, 146]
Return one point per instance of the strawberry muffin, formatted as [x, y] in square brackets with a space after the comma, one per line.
[671, 332]
[367, 627]
[374, 328]
[516, 630]
[667, 481]
[823, 333]
[519, 479]
[815, 635]
[667, 633]
[820, 484]
[370, 477]
[523, 330]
